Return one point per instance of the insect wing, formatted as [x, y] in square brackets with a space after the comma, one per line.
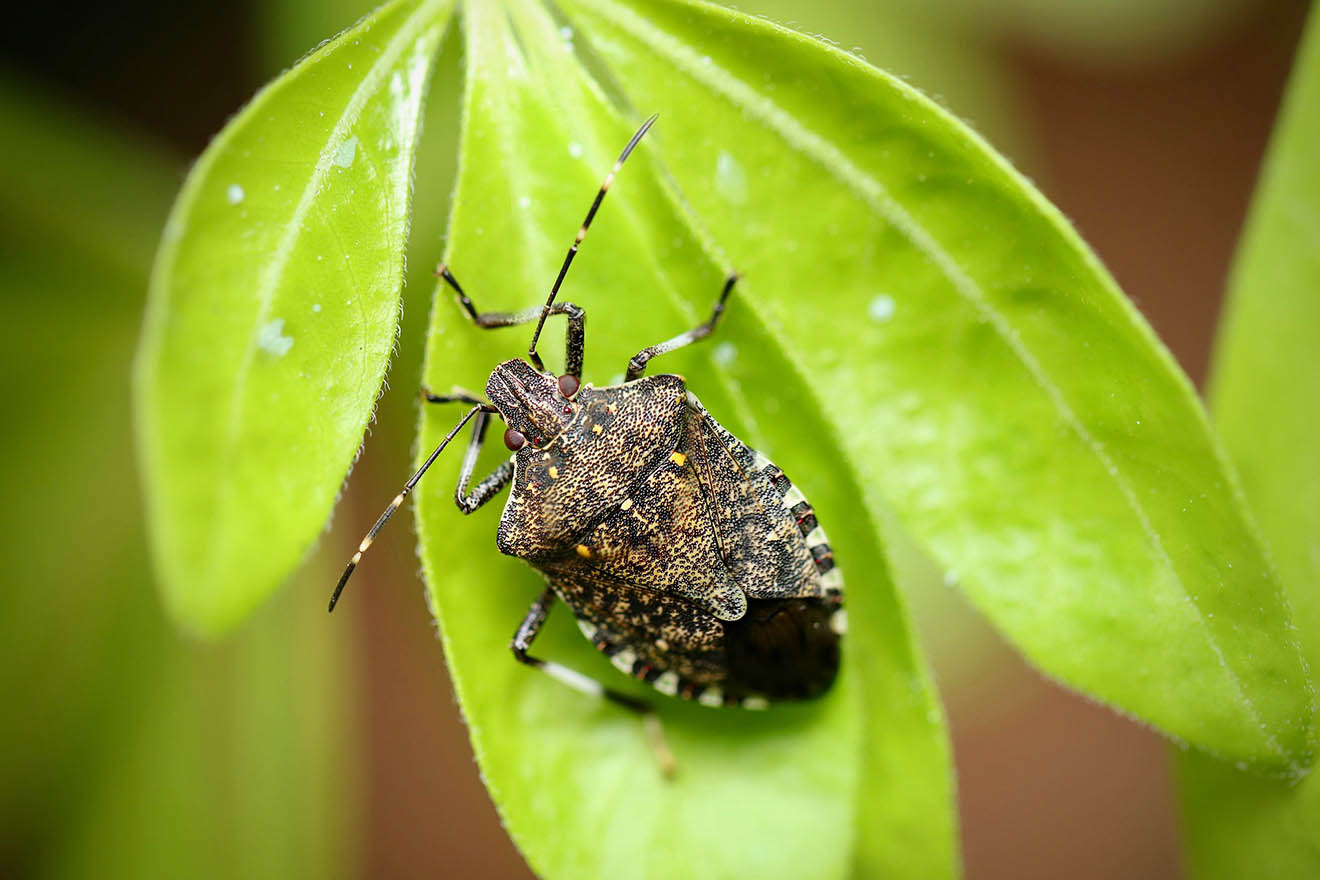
[767, 530]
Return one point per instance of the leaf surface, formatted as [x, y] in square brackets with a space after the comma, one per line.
[771, 794]
[1266, 401]
[274, 305]
[993, 384]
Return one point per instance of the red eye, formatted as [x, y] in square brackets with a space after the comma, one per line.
[568, 384]
[514, 439]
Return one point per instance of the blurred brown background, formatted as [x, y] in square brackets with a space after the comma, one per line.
[1145, 127]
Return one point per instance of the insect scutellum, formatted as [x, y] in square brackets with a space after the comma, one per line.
[688, 558]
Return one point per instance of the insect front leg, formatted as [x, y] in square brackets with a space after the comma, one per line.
[575, 337]
[490, 486]
[637, 364]
[456, 396]
[522, 641]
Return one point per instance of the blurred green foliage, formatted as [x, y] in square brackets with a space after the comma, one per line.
[1266, 397]
[1105, 33]
[126, 750]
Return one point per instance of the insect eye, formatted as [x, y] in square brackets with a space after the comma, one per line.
[568, 384]
[514, 439]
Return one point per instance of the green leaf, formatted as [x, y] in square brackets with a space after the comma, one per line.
[1266, 395]
[774, 794]
[274, 305]
[285, 28]
[993, 384]
[946, 58]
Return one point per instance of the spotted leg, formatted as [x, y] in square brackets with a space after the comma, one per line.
[522, 641]
[577, 320]
[637, 365]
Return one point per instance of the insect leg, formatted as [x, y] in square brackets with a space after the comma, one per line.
[527, 633]
[398, 500]
[637, 364]
[456, 396]
[574, 337]
[489, 487]
[522, 640]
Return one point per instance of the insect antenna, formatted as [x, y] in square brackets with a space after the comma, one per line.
[582, 233]
[398, 500]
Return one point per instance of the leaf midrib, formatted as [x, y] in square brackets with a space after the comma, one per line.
[538, 243]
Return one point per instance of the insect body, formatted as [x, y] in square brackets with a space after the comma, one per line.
[688, 559]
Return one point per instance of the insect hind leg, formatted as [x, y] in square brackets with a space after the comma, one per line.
[527, 633]
[637, 364]
[522, 641]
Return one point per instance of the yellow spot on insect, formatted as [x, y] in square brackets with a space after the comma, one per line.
[596, 429]
[583, 550]
[366, 542]
[357, 557]
[554, 472]
[613, 408]
[678, 458]
[626, 505]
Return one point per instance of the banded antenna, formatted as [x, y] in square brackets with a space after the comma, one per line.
[398, 500]
[582, 233]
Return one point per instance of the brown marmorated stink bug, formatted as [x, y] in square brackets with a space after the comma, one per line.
[688, 558]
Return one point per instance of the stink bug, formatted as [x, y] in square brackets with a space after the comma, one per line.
[688, 558]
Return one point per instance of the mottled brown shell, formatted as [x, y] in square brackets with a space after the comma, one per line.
[688, 558]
